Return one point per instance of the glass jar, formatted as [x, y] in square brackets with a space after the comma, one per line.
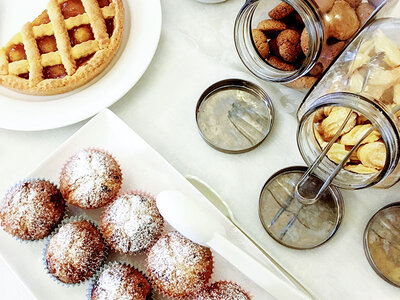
[366, 79]
[295, 41]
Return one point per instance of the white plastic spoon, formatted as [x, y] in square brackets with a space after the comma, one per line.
[215, 199]
[192, 221]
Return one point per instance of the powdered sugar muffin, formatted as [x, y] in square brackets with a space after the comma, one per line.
[177, 267]
[120, 282]
[222, 290]
[31, 209]
[90, 179]
[132, 223]
[75, 252]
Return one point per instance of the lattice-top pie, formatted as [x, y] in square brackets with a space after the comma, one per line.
[68, 45]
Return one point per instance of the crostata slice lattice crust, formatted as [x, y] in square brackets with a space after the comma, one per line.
[69, 44]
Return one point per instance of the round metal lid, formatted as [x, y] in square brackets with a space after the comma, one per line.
[234, 115]
[293, 224]
[382, 243]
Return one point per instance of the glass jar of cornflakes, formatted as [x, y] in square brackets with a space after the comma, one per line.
[362, 87]
[295, 41]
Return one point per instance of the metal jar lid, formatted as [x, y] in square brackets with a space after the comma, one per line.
[290, 222]
[382, 243]
[234, 115]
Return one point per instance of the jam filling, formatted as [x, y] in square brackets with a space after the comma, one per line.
[83, 60]
[24, 76]
[110, 26]
[16, 53]
[72, 8]
[103, 3]
[47, 44]
[78, 35]
[43, 18]
[54, 72]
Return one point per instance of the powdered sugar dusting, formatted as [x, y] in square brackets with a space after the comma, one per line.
[31, 209]
[132, 223]
[120, 282]
[91, 179]
[223, 290]
[179, 267]
[75, 252]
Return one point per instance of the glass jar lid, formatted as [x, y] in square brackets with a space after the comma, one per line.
[234, 115]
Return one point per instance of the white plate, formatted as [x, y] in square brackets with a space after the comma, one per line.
[141, 35]
[143, 168]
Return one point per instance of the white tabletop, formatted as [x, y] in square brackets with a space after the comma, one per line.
[196, 49]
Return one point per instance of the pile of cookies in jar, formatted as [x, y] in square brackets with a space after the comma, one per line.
[283, 40]
[369, 158]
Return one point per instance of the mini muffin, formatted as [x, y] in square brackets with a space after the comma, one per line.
[119, 281]
[90, 179]
[132, 223]
[75, 252]
[222, 290]
[177, 267]
[31, 209]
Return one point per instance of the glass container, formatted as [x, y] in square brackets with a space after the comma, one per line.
[295, 41]
[364, 79]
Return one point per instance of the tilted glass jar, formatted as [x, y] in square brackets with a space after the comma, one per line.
[277, 50]
[366, 79]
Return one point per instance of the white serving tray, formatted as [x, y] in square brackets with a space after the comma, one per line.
[143, 168]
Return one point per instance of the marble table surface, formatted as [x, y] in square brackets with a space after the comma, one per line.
[197, 49]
